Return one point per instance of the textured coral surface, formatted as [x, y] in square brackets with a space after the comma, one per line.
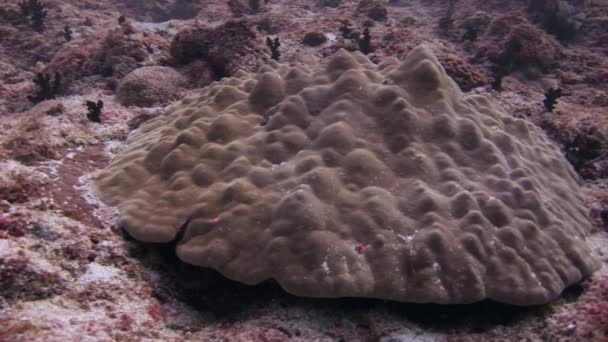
[149, 86]
[357, 180]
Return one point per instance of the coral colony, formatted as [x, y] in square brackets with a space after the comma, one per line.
[409, 170]
[315, 185]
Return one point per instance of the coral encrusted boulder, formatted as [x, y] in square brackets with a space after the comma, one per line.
[356, 180]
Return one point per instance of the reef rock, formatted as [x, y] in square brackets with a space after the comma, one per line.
[357, 180]
[226, 48]
[512, 39]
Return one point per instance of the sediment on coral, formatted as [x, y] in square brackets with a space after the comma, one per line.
[357, 180]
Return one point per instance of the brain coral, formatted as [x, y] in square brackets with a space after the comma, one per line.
[356, 180]
[149, 86]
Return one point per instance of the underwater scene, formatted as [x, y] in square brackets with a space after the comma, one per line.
[304, 170]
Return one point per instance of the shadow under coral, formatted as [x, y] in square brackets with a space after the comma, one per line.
[206, 290]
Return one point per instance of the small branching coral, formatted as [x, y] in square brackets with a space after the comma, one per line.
[67, 33]
[361, 39]
[365, 42]
[584, 149]
[504, 64]
[551, 97]
[470, 34]
[47, 88]
[347, 31]
[274, 47]
[36, 11]
[499, 71]
[94, 113]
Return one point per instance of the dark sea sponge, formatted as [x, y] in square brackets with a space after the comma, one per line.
[314, 38]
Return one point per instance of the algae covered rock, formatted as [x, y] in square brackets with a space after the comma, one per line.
[357, 180]
[512, 39]
[227, 48]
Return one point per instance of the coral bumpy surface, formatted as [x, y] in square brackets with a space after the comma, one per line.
[357, 180]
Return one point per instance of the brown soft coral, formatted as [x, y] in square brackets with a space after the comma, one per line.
[357, 180]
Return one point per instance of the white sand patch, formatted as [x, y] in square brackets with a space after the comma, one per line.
[51, 167]
[100, 273]
[103, 213]
[112, 147]
[406, 335]
[7, 248]
[599, 248]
